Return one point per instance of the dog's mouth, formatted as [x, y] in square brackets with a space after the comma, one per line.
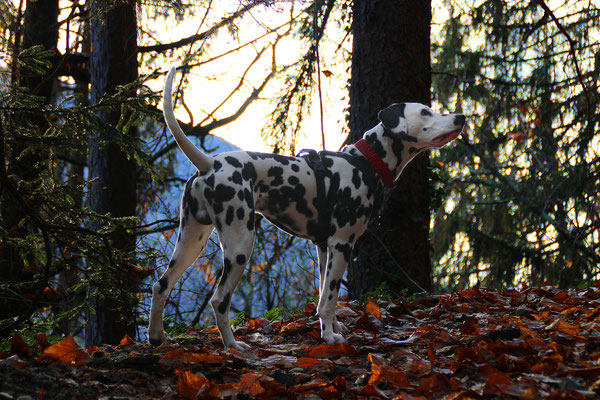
[446, 138]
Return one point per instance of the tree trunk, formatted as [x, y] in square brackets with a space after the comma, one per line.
[113, 62]
[40, 28]
[391, 64]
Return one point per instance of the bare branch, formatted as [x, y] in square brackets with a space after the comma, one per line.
[203, 35]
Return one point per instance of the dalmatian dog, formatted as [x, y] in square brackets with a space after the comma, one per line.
[326, 197]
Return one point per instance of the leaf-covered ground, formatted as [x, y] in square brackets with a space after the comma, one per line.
[532, 344]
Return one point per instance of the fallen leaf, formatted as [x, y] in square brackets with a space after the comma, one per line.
[189, 384]
[332, 350]
[381, 371]
[564, 327]
[66, 351]
[42, 340]
[19, 347]
[126, 341]
[373, 308]
[371, 390]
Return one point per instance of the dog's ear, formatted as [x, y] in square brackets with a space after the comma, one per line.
[393, 119]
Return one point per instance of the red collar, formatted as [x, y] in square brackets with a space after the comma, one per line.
[387, 177]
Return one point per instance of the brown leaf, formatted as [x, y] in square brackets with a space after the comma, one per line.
[564, 327]
[126, 341]
[42, 340]
[189, 384]
[435, 385]
[257, 385]
[380, 371]
[373, 308]
[332, 350]
[19, 347]
[66, 351]
[371, 390]
[177, 356]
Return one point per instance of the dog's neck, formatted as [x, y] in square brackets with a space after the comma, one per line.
[395, 150]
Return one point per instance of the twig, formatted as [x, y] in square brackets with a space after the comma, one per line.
[572, 52]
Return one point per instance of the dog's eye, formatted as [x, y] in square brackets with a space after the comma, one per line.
[425, 112]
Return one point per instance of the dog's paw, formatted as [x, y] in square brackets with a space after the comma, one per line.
[339, 328]
[333, 338]
[239, 346]
[158, 339]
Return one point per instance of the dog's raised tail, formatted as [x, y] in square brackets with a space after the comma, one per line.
[202, 161]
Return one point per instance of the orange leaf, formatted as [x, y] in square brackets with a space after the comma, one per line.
[92, 349]
[256, 385]
[66, 351]
[373, 308]
[186, 357]
[564, 327]
[307, 362]
[332, 350]
[380, 371]
[126, 341]
[189, 384]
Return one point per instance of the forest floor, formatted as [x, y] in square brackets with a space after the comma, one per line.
[539, 343]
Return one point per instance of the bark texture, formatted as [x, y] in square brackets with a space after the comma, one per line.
[113, 62]
[391, 64]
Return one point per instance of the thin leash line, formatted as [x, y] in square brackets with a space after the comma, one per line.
[406, 275]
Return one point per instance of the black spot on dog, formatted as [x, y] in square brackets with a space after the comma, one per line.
[229, 216]
[356, 181]
[283, 160]
[332, 284]
[249, 198]
[234, 162]
[295, 167]
[345, 249]
[250, 224]
[375, 143]
[248, 172]
[217, 165]
[210, 181]
[224, 304]
[172, 262]
[240, 213]
[226, 271]
[164, 284]
[292, 180]
[241, 259]
[236, 177]
[276, 173]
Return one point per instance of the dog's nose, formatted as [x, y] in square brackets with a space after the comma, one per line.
[459, 120]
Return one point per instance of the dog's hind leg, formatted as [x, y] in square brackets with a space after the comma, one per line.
[237, 241]
[190, 243]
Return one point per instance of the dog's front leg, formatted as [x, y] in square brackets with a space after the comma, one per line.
[322, 254]
[334, 271]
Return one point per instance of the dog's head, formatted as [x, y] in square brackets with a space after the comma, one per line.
[421, 124]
